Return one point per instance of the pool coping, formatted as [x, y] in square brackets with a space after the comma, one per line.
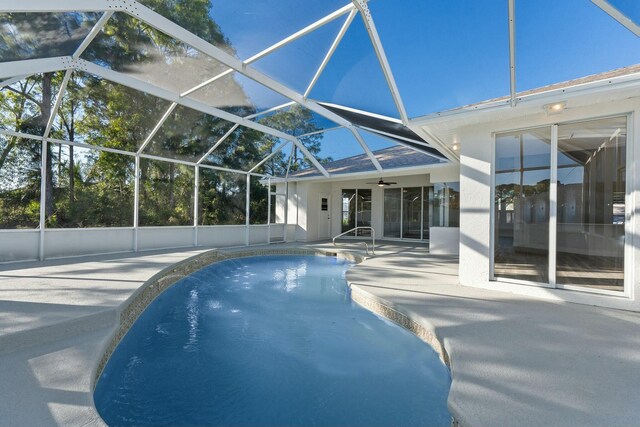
[386, 309]
[415, 324]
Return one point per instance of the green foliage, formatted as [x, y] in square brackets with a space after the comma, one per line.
[259, 202]
[102, 193]
[222, 198]
[166, 193]
[64, 31]
[295, 121]
[90, 188]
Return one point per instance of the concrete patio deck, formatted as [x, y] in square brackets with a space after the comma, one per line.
[515, 360]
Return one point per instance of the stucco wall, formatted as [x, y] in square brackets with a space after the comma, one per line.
[304, 198]
[377, 199]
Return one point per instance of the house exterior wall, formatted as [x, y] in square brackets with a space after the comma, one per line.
[476, 162]
[304, 202]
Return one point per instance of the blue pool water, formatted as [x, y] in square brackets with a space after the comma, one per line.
[270, 341]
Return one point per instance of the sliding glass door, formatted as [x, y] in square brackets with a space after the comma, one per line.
[412, 213]
[522, 177]
[591, 204]
[356, 211]
[392, 212]
[348, 211]
[559, 209]
[409, 212]
[363, 214]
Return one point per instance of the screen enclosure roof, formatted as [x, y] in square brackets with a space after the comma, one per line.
[307, 83]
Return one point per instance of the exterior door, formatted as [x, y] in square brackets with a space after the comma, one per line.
[324, 217]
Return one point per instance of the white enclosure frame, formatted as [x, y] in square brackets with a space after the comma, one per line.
[146, 15]
[12, 72]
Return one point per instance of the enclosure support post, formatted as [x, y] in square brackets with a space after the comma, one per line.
[553, 206]
[43, 160]
[421, 213]
[196, 204]
[512, 52]
[136, 203]
[43, 192]
[269, 211]
[246, 214]
[286, 195]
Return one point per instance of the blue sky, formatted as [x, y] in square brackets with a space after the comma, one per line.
[443, 53]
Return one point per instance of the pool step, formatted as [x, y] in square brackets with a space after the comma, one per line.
[13, 341]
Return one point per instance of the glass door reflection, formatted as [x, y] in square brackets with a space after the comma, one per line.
[363, 218]
[522, 178]
[591, 204]
[392, 212]
[412, 213]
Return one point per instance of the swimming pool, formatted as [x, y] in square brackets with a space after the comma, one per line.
[270, 340]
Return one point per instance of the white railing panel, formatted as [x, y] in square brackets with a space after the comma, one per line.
[19, 245]
[63, 242]
[221, 235]
[165, 237]
[258, 234]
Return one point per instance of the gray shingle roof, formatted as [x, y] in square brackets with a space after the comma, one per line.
[395, 157]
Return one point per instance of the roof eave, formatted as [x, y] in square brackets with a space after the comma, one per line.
[535, 98]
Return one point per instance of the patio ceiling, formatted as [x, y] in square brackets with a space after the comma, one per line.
[274, 56]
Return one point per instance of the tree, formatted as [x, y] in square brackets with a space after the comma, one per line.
[30, 107]
[94, 188]
[296, 121]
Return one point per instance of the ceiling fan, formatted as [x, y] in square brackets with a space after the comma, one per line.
[382, 183]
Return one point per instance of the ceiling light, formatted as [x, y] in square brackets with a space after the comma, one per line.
[455, 147]
[555, 108]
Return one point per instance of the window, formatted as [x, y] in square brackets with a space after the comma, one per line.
[446, 205]
[278, 204]
[571, 216]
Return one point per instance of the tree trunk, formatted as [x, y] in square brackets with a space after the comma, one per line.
[72, 166]
[7, 150]
[72, 180]
[71, 132]
[13, 141]
[59, 163]
[172, 178]
[46, 113]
